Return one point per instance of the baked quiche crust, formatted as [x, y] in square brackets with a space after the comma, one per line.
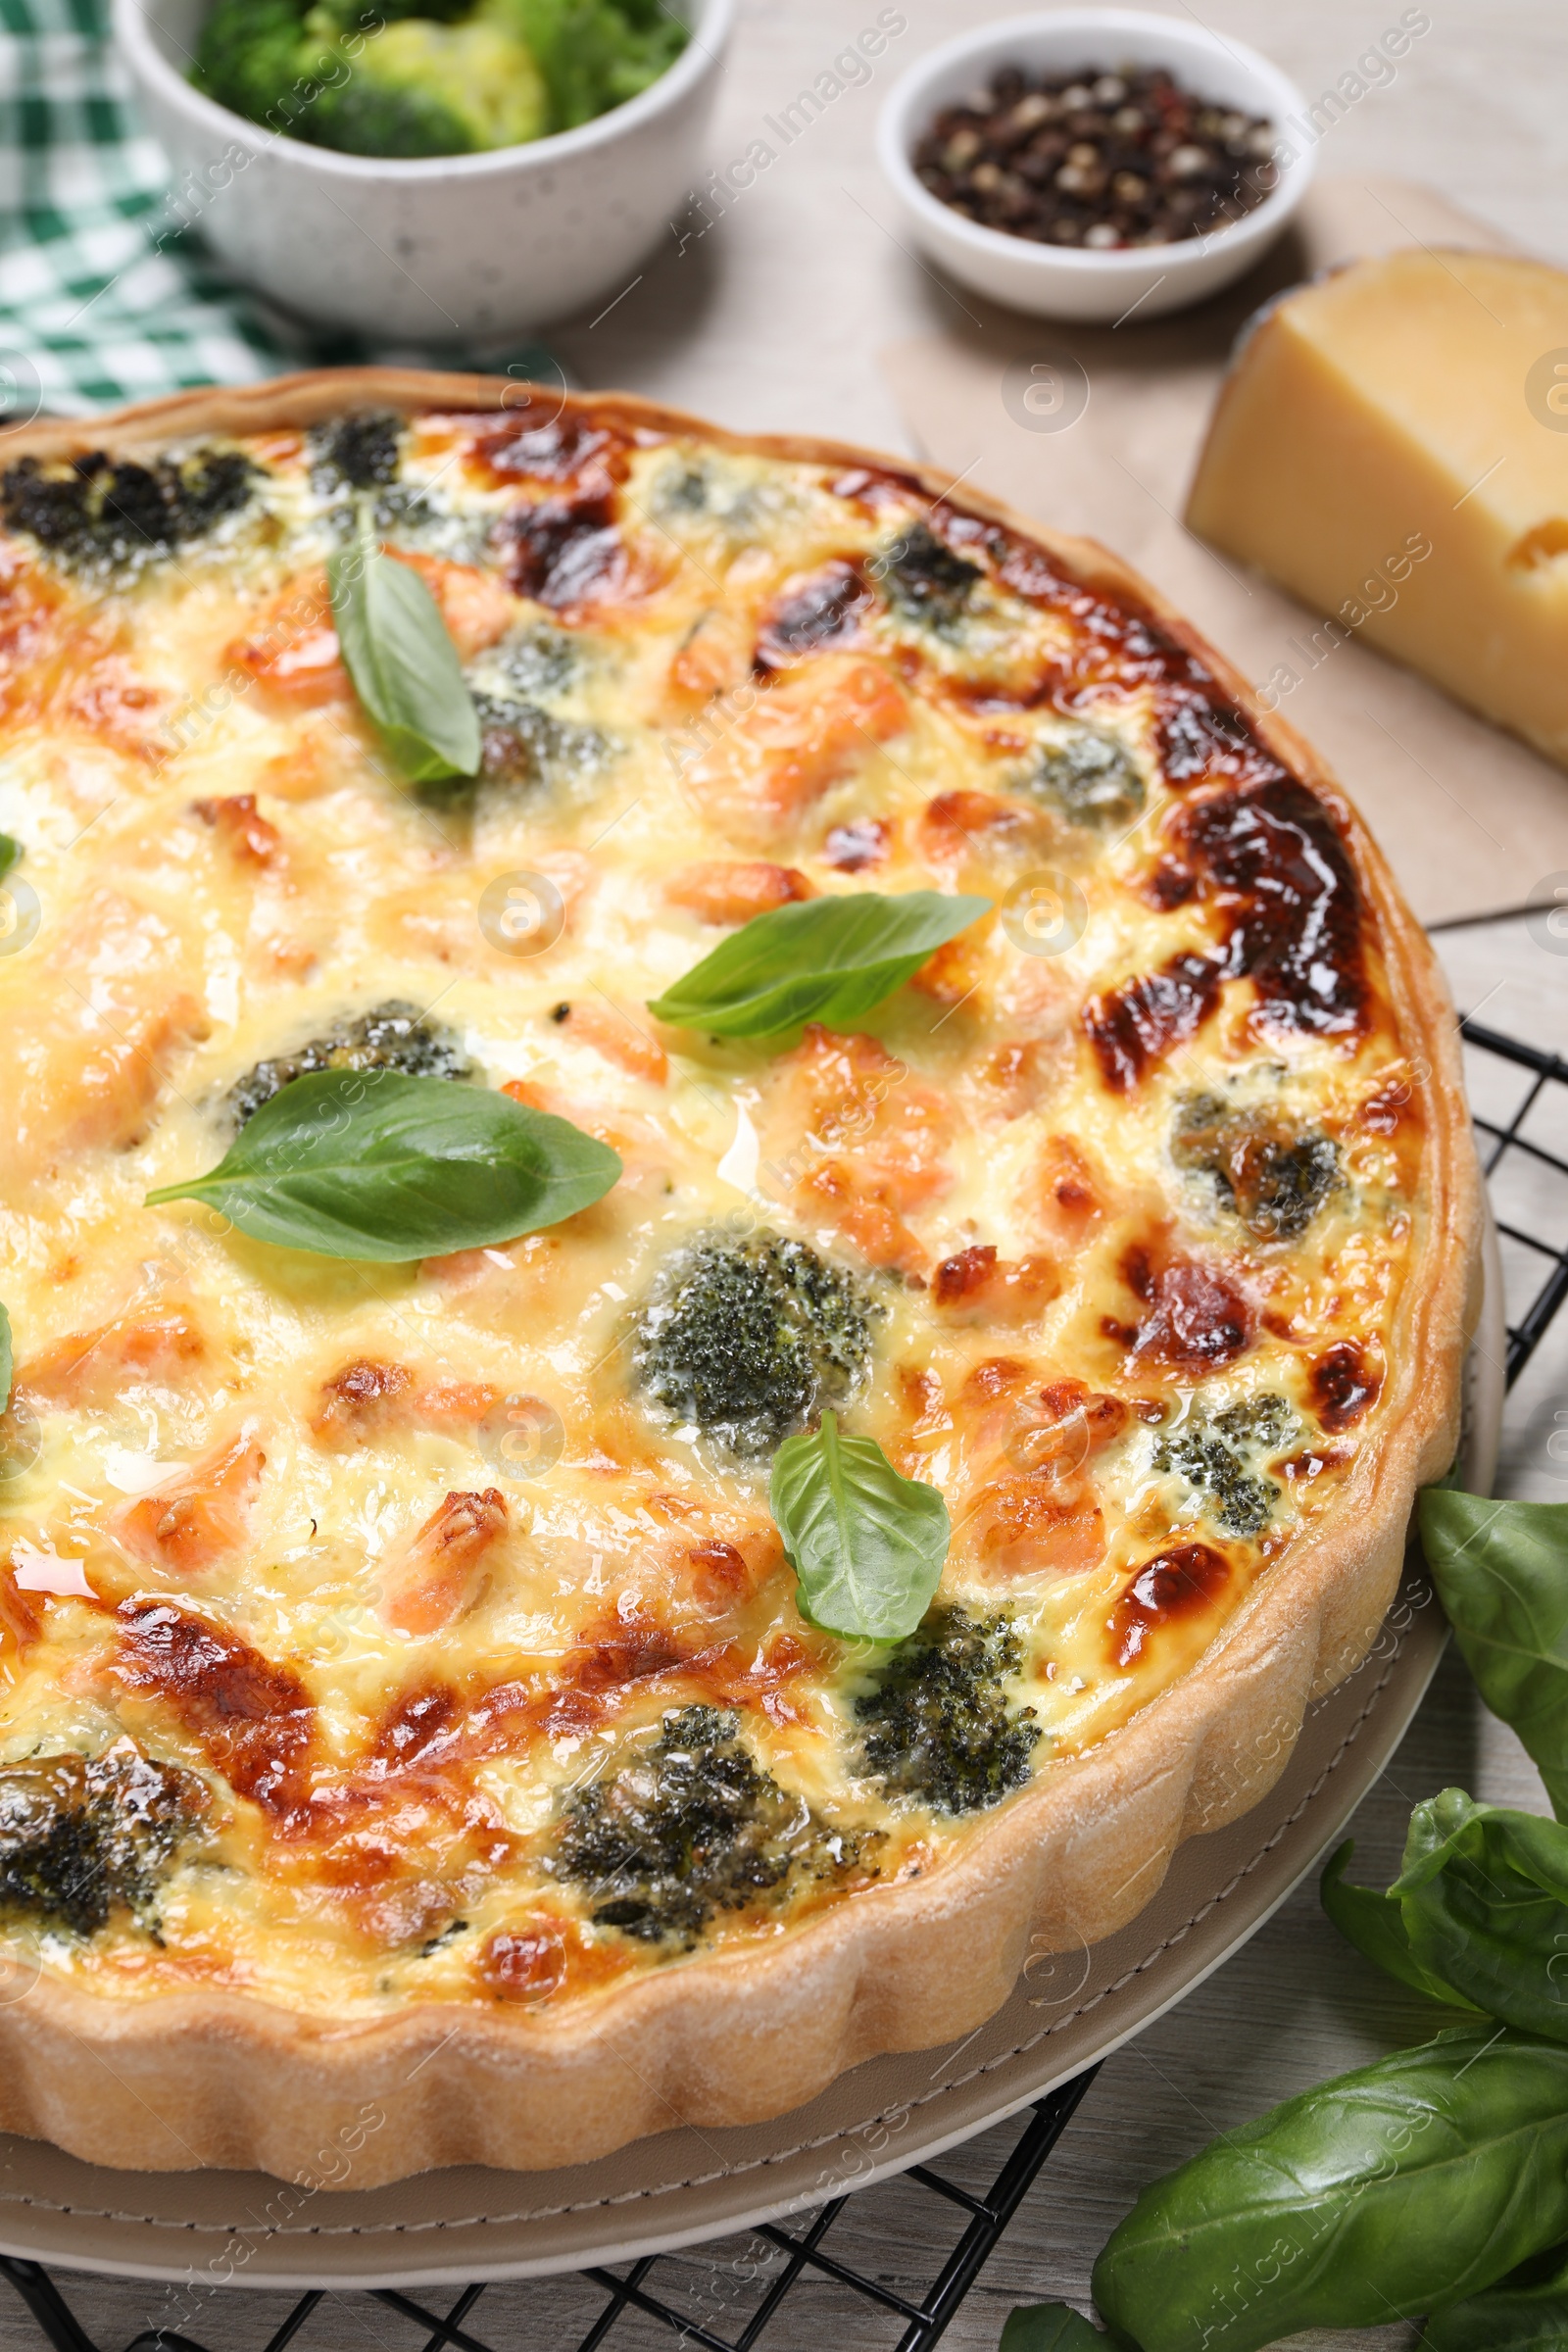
[284, 1762]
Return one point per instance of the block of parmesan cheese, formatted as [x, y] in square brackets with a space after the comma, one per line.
[1391, 446]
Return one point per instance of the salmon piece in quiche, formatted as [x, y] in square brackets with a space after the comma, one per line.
[292, 647]
[442, 1571]
[860, 1141]
[365, 1399]
[723, 889]
[817, 725]
[1034, 1508]
[201, 1516]
[476, 609]
[92, 1047]
[88, 1369]
[615, 1035]
[715, 659]
[976, 1286]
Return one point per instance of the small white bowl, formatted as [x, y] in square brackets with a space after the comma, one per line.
[1057, 281]
[446, 250]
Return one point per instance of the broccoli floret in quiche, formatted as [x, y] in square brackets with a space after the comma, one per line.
[357, 452]
[717, 493]
[1271, 1176]
[393, 1037]
[1089, 779]
[1257, 1424]
[683, 488]
[356, 464]
[1218, 1461]
[923, 581]
[101, 514]
[937, 1725]
[520, 744]
[82, 1837]
[751, 1341]
[690, 1827]
[534, 663]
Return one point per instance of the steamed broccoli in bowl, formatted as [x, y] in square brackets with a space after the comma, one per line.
[421, 88]
[421, 77]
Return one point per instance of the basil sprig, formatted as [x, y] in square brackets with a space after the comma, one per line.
[374, 1164]
[1375, 1923]
[1049, 2328]
[10, 854]
[1501, 1573]
[1483, 1891]
[1478, 1915]
[827, 959]
[1434, 2181]
[1526, 2312]
[866, 1545]
[403, 663]
[1393, 2190]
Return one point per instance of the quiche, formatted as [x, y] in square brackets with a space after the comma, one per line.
[411, 1695]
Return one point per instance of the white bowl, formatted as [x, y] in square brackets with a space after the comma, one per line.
[447, 250]
[1057, 281]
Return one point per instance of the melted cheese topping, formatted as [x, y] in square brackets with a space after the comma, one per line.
[1128, 1177]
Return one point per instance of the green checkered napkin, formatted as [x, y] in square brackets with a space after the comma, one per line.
[104, 297]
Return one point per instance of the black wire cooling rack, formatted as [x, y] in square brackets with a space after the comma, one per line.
[767, 2265]
[1516, 1120]
[1507, 1151]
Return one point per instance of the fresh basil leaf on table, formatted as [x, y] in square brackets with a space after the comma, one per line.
[1049, 2328]
[827, 959]
[1407, 2184]
[1374, 1924]
[866, 1543]
[375, 1164]
[1501, 1573]
[1483, 1894]
[1526, 2312]
[404, 665]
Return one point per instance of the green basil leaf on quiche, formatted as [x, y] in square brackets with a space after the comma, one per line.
[866, 1545]
[1501, 1573]
[1383, 2195]
[827, 959]
[1049, 2328]
[403, 663]
[1374, 1924]
[10, 854]
[1526, 2312]
[375, 1164]
[1483, 1894]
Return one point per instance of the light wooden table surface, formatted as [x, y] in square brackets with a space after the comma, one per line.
[774, 321]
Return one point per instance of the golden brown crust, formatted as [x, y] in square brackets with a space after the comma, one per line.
[236, 2082]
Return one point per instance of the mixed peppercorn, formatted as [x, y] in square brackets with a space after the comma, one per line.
[1097, 160]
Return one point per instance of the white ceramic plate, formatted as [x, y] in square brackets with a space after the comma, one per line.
[686, 2185]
